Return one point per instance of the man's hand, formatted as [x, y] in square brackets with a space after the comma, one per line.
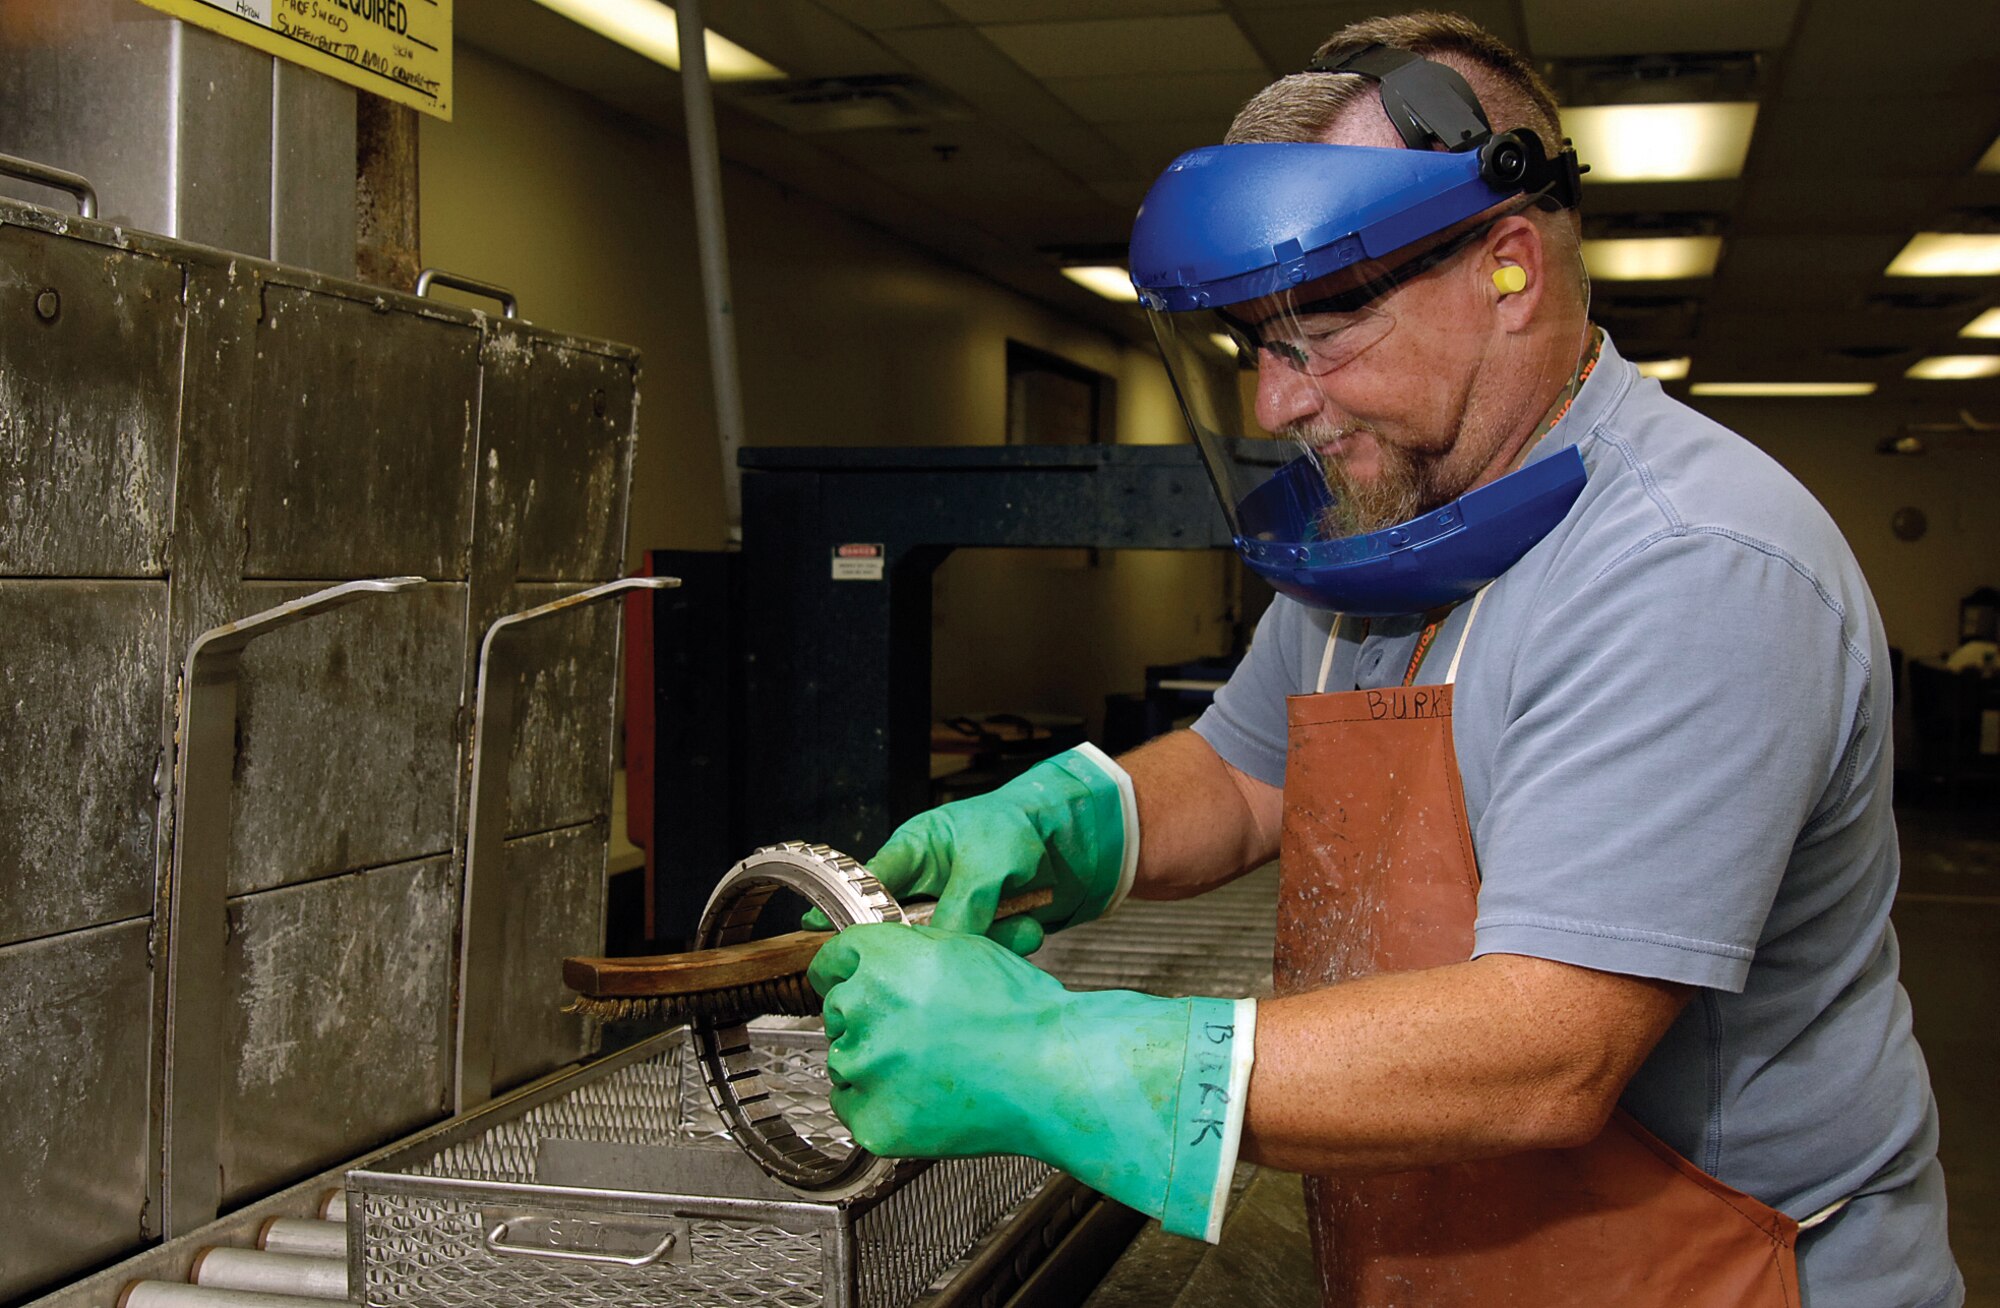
[1069, 824]
[947, 1045]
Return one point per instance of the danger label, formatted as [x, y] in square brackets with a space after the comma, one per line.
[857, 562]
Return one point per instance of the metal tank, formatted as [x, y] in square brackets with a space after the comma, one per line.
[205, 996]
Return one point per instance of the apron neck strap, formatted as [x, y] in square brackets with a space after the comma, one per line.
[1326, 657]
[1465, 634]
[1423, 644]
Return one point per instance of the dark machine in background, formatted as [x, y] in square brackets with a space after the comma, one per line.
[791, 682]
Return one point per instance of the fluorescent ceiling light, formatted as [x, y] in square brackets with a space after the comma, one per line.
[1652, 258]
[1665, 369]
[1226, 343]
[1986, 324]
[1990, 163]
[1948, 254]
[1955, 367]
[649, 27]
[1661, 142]
[1794, 389]
[1108, 280]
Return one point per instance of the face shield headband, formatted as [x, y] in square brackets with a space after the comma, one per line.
[1299, 253]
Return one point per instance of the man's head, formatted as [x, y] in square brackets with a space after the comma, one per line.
[1459, 367]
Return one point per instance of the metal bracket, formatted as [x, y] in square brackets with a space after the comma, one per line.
[484, 912]
[61, 179]
[197, 899]
[510, 307]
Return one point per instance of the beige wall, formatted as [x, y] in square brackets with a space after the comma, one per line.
[1830, 446]
[846, 337]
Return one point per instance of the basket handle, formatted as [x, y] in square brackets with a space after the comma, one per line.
[510, 307]
[60, 179]
[496, 1242]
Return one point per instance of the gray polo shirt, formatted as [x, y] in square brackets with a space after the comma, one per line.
[1672, 721]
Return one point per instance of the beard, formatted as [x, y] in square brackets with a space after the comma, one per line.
[1407, 482]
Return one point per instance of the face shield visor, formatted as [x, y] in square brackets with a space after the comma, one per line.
[1329, 384]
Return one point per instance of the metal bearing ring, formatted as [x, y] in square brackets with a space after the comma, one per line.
[848, 894]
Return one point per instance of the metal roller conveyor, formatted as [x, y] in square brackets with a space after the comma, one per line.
[304, 1235]
[174, 1294]
[224, 1268]
[333, 1206]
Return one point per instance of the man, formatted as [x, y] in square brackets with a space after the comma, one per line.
[1571, 721]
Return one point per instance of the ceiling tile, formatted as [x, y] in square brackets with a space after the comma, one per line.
[992, 182]
[1953, 50]
[800, 37]
[1795, 271]
[1042, 11]
[1194, 43]
[1157, 95]
[965, 63]
[1855, 139]
[1287, 33]
[1151, 146]
[1567, 28]
[1604, 199]
[1820, 205]
[571, 55]
[886, 15]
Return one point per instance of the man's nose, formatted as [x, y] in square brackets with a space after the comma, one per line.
[1284, 394]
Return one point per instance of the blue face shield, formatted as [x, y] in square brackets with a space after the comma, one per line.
[1275, 273]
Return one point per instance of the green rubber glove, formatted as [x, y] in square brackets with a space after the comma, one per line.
[1069, 824]
[950, 1046]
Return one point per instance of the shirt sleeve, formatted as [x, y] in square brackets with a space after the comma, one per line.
[1246, 725]
[1669, 733]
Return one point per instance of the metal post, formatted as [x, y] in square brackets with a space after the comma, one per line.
[712, 241]
[484, 911]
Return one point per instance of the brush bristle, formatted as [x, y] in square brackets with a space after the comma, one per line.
[789, 996]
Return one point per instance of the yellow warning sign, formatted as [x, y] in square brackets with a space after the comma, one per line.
[398, 49]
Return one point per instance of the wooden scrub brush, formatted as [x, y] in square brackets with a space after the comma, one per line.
[718, 986]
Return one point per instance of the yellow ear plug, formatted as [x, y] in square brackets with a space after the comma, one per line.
[1510, 279]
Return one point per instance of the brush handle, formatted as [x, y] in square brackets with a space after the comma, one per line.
[753, 961]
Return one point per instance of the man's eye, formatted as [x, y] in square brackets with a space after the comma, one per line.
[1322, 329]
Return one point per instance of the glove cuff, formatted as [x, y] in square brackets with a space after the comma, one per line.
[1079, 762]
[1208, 1117]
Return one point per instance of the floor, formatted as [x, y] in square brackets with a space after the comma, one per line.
[1947, 919]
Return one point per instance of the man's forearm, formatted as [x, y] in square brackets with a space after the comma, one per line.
[1475, 1060]
[1201, 822]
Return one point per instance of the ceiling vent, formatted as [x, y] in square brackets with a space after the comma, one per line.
[1656, 78]
[811, 106]
[1647, 317]
[1922, 301]
[1628, 226]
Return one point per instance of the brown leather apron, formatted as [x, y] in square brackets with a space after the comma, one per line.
[1379, 875]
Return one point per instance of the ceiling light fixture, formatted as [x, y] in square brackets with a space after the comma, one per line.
[1661, 142]
[1107, 279]
[1665, 369]
[1948, 254]
[649, 28]
[1985, 325]
[1794, 390]
[1652, 258]
[1955, 367]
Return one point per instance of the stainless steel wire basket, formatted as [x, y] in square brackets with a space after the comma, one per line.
[615, 1183]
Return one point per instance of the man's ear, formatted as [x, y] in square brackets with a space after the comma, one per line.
[1513, 265]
